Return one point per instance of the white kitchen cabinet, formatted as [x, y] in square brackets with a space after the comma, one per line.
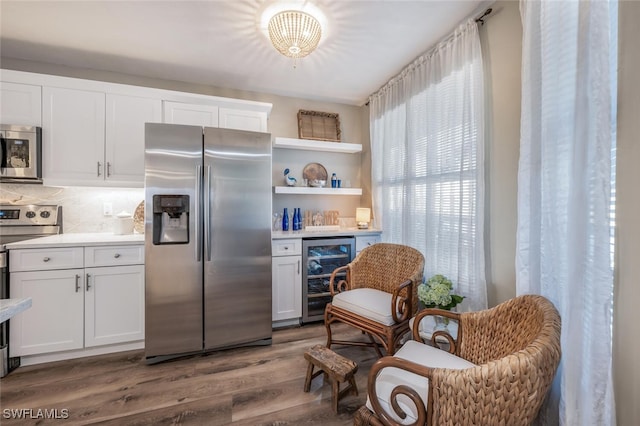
[20, 104]
[46, 259]
[240, 119]
[93, 131]
[125, 132]
[365, 241]
[54, 321]
[113, 305]
[95, 138]
[286, 270]
[98, 300]
[114, 255]
[190, 114]
[214, 116]
[73, 136]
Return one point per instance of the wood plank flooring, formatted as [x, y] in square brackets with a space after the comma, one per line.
[244, 386]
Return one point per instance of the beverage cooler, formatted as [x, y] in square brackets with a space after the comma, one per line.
[321, 256]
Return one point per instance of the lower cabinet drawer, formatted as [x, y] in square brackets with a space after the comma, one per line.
[45, 259]
[366, 241]
[114, 255]
[289, 247]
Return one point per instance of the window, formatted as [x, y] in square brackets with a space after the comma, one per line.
[427, 152]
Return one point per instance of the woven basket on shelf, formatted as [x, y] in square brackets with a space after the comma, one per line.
[322, 126]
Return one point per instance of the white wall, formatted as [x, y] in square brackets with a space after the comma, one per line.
[502, 49]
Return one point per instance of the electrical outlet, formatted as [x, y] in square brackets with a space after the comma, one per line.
[107, 209]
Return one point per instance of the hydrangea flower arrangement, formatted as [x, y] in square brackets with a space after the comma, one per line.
[436, 293]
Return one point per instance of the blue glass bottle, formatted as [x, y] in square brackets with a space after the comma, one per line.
[285, 220]
[296, 219]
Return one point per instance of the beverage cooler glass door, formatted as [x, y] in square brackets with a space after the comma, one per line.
[321, 257]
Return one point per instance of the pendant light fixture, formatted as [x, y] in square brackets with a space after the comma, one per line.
[294, 33]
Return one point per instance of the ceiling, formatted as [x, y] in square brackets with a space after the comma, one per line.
[223, 43]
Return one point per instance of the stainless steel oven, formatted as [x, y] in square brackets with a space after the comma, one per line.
[20, 154]
[4, 327]
[19, 223]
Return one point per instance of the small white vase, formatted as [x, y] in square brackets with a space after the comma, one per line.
[441, 323]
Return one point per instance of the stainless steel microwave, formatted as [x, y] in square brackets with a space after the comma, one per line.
[20, 154]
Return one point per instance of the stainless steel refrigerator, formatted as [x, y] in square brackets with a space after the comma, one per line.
[207, 239]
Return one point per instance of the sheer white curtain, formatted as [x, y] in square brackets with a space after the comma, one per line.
[427, 150]
[564, 193]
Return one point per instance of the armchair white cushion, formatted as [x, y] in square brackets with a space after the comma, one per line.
[367, 302]
[391, 377]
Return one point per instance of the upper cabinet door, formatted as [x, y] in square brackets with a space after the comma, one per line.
[125, 119]
[73, 136]
[191, 114]
[20, 104]
[255, 121]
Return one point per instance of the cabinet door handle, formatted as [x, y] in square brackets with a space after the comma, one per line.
[46, 259]
[77, 283]
[88, 286]
[298, 265]
[117, 255]
[108, 169]
[99, 165]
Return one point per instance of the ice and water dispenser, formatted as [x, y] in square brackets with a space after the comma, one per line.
[170, 219]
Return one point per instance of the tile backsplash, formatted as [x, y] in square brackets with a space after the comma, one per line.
[82, 207]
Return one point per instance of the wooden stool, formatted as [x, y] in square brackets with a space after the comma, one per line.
[338, 368]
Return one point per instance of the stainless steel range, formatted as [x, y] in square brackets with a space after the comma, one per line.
[19, 223]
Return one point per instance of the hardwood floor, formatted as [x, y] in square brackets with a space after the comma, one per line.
[244, 386]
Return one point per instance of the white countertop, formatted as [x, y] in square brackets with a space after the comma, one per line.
[79, 239]
[276, 235]
[11, 307]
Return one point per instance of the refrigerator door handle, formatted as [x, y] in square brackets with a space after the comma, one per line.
[197, 213]
[207, 211]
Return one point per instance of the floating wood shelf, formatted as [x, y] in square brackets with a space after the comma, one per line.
[313, 145]
[309, 190]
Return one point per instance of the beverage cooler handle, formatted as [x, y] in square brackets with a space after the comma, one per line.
[198, 197]
[3, 153]
[207, 211]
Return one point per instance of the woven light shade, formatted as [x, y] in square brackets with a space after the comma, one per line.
[294, 33]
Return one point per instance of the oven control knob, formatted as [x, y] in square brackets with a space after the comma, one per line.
[30, 214]
[45, 214]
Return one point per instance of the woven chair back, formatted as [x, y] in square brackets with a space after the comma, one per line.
[505, 329]
[517, 347]
[384, 266]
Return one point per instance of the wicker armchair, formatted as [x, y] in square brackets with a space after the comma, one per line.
[381, 277]
[497, 372]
